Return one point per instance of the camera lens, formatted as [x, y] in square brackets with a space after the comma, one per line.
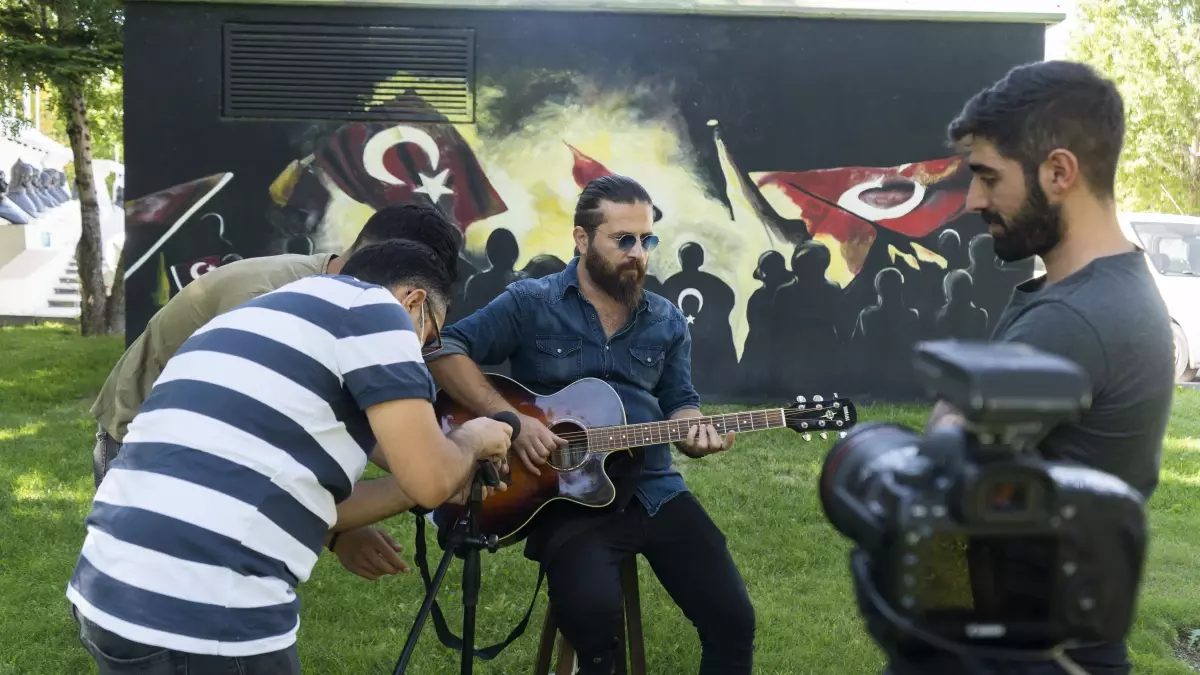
[852, 466]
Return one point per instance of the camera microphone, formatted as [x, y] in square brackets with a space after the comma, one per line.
[510, 418]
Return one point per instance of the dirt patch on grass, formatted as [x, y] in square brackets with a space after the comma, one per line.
[1187, 647]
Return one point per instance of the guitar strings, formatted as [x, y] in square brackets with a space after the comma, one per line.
[788, 413]
[579, 446]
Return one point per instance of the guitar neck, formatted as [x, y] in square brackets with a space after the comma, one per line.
[673, 431]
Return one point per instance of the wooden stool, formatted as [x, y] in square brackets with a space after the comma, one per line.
[632, 629]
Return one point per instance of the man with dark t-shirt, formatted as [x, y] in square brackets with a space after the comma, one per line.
[1043, 146]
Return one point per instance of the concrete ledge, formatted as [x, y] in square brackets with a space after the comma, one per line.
[37, 320]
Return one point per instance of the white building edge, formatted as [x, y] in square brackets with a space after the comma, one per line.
[1019, 11]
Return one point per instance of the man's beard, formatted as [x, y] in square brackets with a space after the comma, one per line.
[623, 284]
[1035, 230]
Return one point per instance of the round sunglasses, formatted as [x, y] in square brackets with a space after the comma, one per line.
[626, 241]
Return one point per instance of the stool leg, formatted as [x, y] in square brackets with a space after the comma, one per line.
[546, 646]
[566, 658]
[633, 617]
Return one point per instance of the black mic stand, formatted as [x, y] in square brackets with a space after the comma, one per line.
[464, 538]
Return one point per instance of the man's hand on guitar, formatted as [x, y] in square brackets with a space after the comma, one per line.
[535, 443]
[703, 439]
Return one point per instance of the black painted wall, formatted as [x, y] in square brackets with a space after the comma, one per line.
[790, 95]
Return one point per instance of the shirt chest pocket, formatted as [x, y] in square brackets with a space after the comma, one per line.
[646, 363]
[559, 359]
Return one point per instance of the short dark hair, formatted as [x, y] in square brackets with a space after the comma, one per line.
[1038, 107]
[610, 188]
[414, 222]
[401, 262]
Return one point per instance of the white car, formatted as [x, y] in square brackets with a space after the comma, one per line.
[1172, 244]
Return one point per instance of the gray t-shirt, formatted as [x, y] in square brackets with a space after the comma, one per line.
[1110, 319]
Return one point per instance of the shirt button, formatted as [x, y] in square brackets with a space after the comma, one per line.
[560, 351]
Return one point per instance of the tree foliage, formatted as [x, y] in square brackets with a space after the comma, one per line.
[106, 118]
[1151, 49]
[60, 45]
[75, 48]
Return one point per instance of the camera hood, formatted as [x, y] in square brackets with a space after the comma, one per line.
[995, 385]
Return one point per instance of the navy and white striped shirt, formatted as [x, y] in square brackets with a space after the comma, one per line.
[219, 502]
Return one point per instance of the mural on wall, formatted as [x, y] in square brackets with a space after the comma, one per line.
[790, 280]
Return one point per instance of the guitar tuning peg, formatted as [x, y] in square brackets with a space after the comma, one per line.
[824, 435]
[835, 395]
[800, 399]
[841, 434]
[806, 436]
[818, 398]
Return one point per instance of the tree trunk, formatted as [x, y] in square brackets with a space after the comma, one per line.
[89, 254]
[115, 309]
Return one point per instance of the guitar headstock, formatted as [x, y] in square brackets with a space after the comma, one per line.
[820, 415]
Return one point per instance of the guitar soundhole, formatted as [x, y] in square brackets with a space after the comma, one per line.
[574, 455]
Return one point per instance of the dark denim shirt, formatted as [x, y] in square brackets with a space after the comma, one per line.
[552, 337]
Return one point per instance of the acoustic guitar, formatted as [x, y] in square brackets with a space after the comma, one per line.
[589, 415]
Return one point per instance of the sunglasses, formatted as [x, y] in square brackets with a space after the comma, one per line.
[626, 241]
[434, 344]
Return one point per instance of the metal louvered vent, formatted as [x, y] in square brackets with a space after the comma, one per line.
[349, 72]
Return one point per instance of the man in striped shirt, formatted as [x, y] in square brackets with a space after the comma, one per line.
[367, 551]
[245, 455]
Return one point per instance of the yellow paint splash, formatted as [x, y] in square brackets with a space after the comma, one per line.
[531, 169]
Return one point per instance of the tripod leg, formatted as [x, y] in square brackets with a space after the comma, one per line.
[414, 633]
[471, 582]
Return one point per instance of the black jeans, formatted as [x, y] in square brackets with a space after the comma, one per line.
[117, 656]
[103, 454]
[688, 555]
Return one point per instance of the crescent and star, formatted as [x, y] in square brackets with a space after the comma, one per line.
[380, 143]
[690, 292]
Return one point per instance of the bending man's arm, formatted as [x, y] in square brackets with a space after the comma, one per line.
[379, 357]
[371, 502]
[487, 337]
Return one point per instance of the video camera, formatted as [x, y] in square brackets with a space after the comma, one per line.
[966, 539]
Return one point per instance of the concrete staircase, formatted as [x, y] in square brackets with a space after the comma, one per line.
[42, 283]
[65, 301]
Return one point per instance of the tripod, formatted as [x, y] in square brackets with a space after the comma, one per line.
[463, 538]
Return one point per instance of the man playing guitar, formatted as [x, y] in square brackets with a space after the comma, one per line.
[594, 319]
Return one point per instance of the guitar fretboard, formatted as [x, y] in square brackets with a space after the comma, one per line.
[672, 431]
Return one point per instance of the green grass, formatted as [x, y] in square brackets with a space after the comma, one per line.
[761, 494]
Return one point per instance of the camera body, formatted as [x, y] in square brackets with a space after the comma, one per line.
[966, 538]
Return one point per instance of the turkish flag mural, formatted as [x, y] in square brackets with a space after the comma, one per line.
[791, 281]
[185, 273]
[381, 164]
[912, 199]
[847, 204]
[585, 169]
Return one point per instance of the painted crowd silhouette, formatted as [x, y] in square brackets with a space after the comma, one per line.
[806, 333]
